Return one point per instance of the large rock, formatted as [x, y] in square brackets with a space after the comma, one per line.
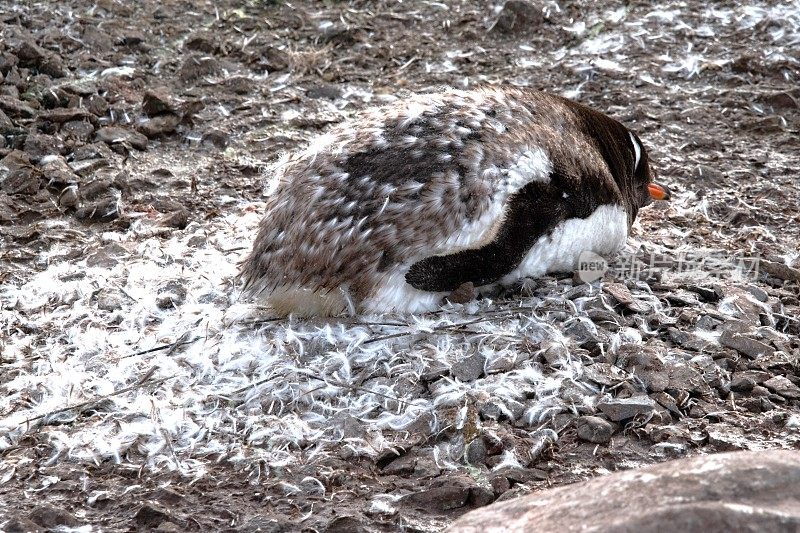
[740, 491]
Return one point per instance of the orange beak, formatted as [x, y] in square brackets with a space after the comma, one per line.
[658, 192]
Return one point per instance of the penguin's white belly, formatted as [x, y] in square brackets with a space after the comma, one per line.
[604, 232]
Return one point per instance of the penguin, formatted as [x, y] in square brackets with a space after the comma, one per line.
[404, 205]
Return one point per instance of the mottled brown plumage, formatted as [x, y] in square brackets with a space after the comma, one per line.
[356, 217]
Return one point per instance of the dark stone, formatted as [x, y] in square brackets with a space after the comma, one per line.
[19, 524]
[518, 17]
[594, 429]
[480, 496]
[150, 515]
[439, 499]
[157, 101]
[500, 484]
[178, 219]
[66, 114]
[688, 340]
[742, 384]
[263, 524]
[240, 85]
[476, 452]
[523, 475]
[216, 138]
[346, 524]
[114, 134]
[38, 145]
[97, 39]
[618, 409]
[51, 517]
[470, 368]
[172, 294]
[783, 386]
[780, 270]
[402, 466]
[781, 100]
[328, 91]
[158, 126]
[80, 130]
[17, 175]
[464, 293]
[201, 42]
[198, 66]
[745, 345]
[16, 108]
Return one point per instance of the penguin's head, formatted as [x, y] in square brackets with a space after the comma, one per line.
[626, 158]
[644, 188]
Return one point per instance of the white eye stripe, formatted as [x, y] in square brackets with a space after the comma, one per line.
[637, 150]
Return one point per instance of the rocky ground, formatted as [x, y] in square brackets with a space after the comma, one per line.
[137, 392]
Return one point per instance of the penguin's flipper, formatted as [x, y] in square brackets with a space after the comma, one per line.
[532, 212]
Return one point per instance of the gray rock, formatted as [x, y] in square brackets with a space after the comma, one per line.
[158, 126]
[157, 101]
[470, 368]
[198, 66]
[51, 517]
[783, 386]
[605, 374]
[585, 333]
[556, 353]
[171, 294]
[216, 138]
[780, 270]
[759, 293]
[20, 524]
[644, 363]
[688, 340]
[439, 499]
[401, 466]
[346, 524]
[38, 145]
[115, 135]
[744, 491]
[518, 16]
[742, 384]
[66, 114]
[618, 409]
[745, 345]
[476, 452]
[17, 175]
[15, 108]
[151, 515]
[594, 429]
[108, 301]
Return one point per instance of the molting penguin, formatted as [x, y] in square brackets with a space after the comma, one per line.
[397, 209]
